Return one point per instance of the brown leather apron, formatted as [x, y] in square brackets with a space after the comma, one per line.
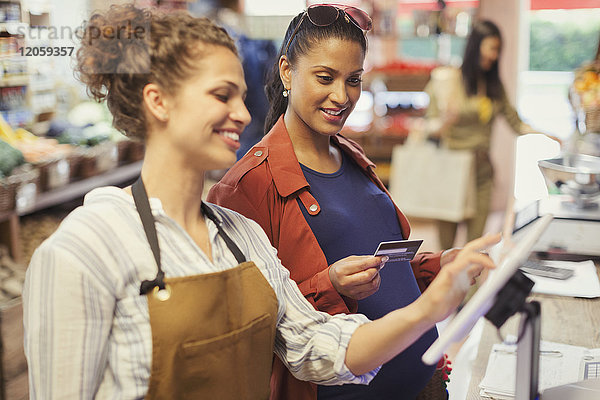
[212, 334]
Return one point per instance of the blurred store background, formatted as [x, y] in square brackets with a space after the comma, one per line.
[56, 145]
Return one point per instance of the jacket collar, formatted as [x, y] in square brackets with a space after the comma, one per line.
[285, 168]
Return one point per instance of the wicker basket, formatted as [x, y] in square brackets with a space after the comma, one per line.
[26, 181]
[123, 147]
[54, 173]
[87, 167]
[7, 195]
[99, 159]
[75, 159]
[136, 150]
[592, 120]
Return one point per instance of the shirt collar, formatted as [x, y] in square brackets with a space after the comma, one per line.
[285, 168]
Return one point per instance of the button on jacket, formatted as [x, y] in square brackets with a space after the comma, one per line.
[264, 186]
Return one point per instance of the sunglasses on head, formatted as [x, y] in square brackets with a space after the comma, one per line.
[327, 14]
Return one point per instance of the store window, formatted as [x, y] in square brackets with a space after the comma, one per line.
[563, 35]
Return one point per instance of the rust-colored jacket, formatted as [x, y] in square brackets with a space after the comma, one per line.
[264, 186]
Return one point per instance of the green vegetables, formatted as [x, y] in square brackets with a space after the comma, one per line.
[9, 158]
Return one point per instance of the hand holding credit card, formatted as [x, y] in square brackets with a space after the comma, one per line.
[399, 250]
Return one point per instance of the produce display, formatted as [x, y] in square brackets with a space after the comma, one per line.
[406, 67]
[83, 145]
[10, 158]
[89, 136]
[587, 84]
[402, 75]
[40, 150]
[34, 149]
[587, 90]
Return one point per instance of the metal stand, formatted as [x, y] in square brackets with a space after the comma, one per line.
[528, 352]
[511, 299]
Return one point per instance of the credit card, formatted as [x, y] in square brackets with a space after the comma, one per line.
[399, 250]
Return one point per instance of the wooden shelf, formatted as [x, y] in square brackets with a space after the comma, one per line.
[398, 82]
[13, 81]
[9, 220]
[79, 188]
[379, 147]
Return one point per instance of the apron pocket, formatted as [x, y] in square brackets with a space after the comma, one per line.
[236, 365]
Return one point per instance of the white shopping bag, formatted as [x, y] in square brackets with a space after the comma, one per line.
[427, 181]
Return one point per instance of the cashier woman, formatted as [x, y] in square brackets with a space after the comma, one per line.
[148, 292]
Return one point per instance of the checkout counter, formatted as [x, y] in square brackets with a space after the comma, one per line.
[569, 320]
[574, 234]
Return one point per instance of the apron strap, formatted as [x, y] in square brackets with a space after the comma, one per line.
[237, 253]
[143, 207]
[140, 197]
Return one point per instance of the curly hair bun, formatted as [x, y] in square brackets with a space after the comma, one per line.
[125, 48]
[115, 42]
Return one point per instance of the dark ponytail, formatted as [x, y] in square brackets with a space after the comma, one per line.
[274, 91]
[273, 85]
[306, 36]
[471, 69]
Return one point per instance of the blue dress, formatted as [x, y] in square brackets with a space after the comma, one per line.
[355, 216]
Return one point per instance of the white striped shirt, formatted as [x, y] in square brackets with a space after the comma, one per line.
[87, 329]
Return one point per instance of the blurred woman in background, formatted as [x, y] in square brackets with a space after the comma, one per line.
[463, 105]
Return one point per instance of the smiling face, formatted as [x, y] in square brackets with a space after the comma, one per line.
[207, 113]
[325, 85]
[489, 51]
